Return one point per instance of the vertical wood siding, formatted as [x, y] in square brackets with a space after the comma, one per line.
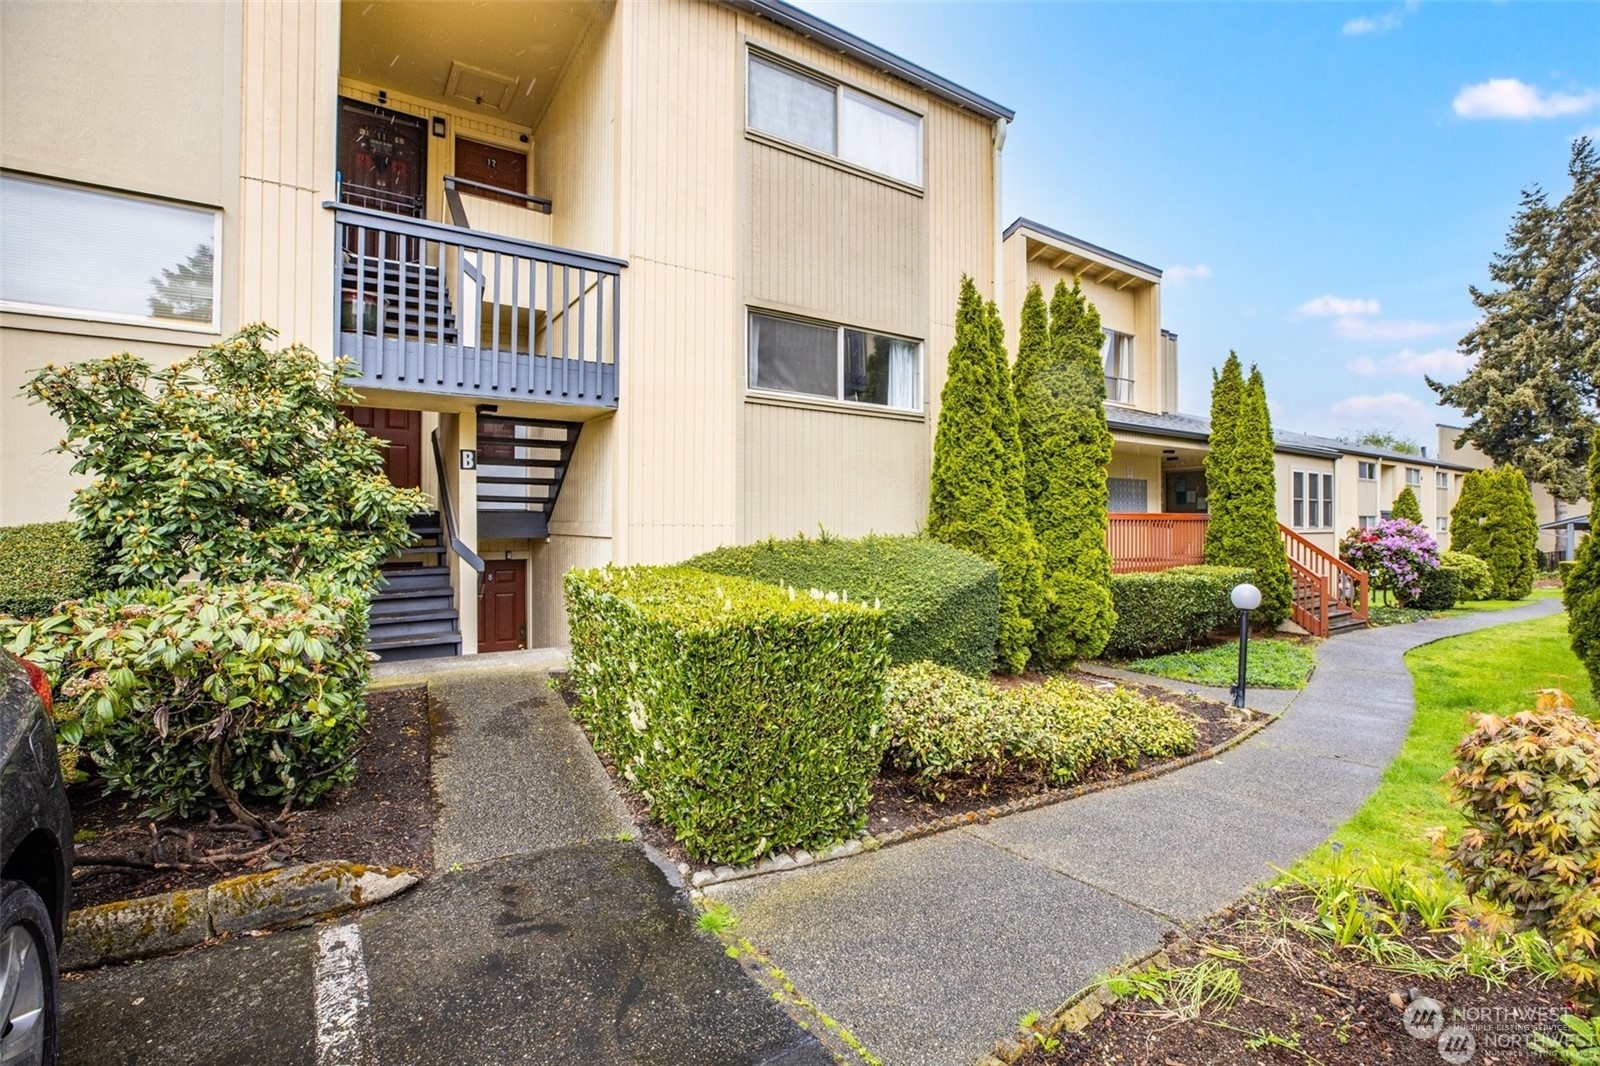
[285, 247]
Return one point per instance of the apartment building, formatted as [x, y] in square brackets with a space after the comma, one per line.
[1325, 486]
[619, 281]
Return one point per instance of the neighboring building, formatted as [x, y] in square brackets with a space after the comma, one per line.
[1325, 486]
[1561, 525]
[690, 266]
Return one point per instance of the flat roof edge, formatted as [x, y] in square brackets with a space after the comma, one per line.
[808, 25]
[1067, 238]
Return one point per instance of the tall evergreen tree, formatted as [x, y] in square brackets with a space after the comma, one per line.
[1247, 505]
[1495, 519]
[976, 500]
[1066, 448]
[1406, 506]
[1227, 394]
[1531, 396]
[1581, 590]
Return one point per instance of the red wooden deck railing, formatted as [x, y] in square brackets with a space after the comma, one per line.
[1325, 587]
[1155, 541]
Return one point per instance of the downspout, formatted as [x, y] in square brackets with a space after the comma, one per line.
[1000, 128]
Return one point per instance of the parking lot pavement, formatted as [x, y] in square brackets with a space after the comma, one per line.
[577, 954]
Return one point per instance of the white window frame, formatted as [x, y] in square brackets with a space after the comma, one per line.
[1366, 470]
[756, 55]
[1441, 524]
[1414, 482]
[1366, 521]
[1441, 480]
[86, 314]
[1118, 344]
[1304, 506]
[839, 368]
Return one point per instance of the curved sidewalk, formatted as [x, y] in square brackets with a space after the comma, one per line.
[931, 950]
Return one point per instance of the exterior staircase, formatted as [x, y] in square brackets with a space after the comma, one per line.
[414, 615]
[406, 299]
[1330, 596]
[521, 465]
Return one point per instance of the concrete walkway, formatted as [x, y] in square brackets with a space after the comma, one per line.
[929, 951]
[541, 939]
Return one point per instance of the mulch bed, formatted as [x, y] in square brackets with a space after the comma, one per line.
[382, 818]
[1332, 1005]
[898, 805]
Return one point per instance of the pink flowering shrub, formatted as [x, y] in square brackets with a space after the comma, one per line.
[1395, 554]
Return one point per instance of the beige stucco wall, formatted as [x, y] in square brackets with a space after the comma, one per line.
[1284, 466]
[112, 95]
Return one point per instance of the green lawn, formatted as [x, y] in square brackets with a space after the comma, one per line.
[1385, 614]
[1273, 664]
[1500, 605]
[1495, 670]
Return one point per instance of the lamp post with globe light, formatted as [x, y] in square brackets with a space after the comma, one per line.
[1245, 598]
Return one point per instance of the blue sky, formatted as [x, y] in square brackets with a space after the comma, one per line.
[1320, 182]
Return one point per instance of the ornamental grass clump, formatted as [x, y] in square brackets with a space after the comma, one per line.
[750, 717]
[949, 731]
[1529, 786]
[1396, 555]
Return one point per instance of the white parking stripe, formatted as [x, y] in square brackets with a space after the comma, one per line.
[341, 995]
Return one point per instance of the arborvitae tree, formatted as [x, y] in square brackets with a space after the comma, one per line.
[1406, 506]
[1227, 393]
[1495, 520]
[1248, 503]
[1066, 448]
[975, 499]
[1581, 590]
[1534, 385]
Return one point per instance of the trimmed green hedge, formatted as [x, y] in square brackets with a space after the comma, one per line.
[1564, 569]
[1166, 610]
[46, 564]
[749, 716]
[1441, 588]
[1477, 580]
[948, 730]
[942, 603]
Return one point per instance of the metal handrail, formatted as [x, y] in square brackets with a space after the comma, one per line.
[534, 203]
[467, 555]
[399, 225]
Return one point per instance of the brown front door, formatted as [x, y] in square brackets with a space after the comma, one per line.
[503, 605]
[383, 165]
[488, 164]
[402, 432]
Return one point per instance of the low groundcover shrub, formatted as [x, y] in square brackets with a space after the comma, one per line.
[942, 604]
[749, 716]
[46, 564]
[1166, 610]
[944, 726]
[169, 691]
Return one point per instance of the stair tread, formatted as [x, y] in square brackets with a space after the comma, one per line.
[398, 618]
[452, 637]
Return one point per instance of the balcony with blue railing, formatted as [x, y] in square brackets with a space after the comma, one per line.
[446, 309]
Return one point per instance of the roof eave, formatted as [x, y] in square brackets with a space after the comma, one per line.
[808, 25]
[1067, 242]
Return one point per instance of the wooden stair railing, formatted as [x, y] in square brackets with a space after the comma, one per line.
[1338, 585]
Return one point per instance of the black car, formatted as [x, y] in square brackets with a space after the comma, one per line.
[35, 865]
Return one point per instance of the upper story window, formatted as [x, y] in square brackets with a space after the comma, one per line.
[1117, 354]
[1441, 480]
[1313, 500]
[82, 253]
[834, 362]
[830, 118]
[1367, 471]
[1413, 477]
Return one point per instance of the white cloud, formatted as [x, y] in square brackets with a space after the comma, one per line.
[1394, 329]
[1390, 406]
[1331, 306]
[1360, 27]
[1181, 275]
[1510, 98]
[1441, 362]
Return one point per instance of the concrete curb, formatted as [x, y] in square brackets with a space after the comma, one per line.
[705, 878]
[172, 921]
